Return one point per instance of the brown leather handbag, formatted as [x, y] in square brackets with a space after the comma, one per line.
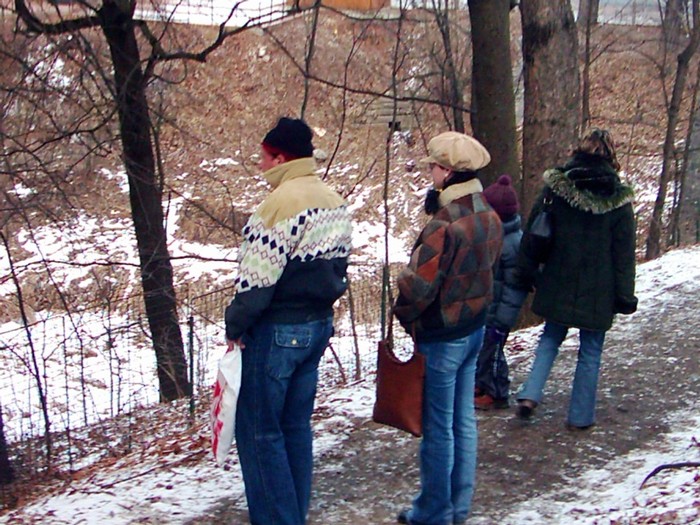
[399, 400]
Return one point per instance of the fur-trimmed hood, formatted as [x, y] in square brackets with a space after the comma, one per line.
[589, 186]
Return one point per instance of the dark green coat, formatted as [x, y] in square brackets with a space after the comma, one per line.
[589, 273]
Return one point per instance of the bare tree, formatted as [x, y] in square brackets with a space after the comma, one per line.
[115, 19]
[551, 80]
[32, 360]
[686, 216]
[7, 473]
[135, 52]
[674, 22]
[586, 25]
[654, 240]
[441, 10]
[588, 13]
[310, 48]
[493, 97]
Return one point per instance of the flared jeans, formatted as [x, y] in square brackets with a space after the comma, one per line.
[448, 448]
[273, 419]
[583, 392]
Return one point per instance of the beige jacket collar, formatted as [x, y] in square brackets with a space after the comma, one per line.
[290, 170]
[459, 190]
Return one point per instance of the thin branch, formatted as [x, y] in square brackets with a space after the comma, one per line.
[311, 47]
[34, 25]
[386, 94]
[161, 55]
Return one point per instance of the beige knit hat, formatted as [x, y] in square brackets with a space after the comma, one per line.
[457, 151]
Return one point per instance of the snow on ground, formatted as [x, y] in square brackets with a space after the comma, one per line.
[612, 495]
[120, 372]
[368, 244]
[181, 482]
[73, 248]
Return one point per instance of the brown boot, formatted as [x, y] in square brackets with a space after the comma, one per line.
[486, 402]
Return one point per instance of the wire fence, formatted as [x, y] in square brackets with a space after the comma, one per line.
[99, 363]
[212, 12]
[350, 351]
[88, 365]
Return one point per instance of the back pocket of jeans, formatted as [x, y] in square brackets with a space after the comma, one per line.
[290, 348]
[292, 337]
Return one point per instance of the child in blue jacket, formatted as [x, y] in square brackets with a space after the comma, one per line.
[492, 382]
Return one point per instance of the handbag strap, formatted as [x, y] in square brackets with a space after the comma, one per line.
[390, 327]
[547, 198]
[413, 336]
[390, 332]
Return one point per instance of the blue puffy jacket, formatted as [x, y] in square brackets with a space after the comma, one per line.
[507, 299]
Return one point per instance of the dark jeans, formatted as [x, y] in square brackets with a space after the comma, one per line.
[492, 367]
[273, 419]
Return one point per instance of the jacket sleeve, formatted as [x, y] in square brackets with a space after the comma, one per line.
[419, 283]
[263, 257]
[512, 296]
[623, 257]
[245, 309]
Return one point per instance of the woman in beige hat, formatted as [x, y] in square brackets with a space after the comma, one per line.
[443, 295]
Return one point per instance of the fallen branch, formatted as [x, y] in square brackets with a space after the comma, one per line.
[668, 466]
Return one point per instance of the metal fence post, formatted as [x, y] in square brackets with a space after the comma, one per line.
[190, 324]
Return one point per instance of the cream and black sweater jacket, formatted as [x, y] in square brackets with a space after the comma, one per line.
[293, 259]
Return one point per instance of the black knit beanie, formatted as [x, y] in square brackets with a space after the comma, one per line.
[290, 137]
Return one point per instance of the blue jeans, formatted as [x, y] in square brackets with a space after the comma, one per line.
[583, 392]
[448, 448]
[273, 418]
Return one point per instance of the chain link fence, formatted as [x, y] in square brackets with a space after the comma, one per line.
[99, 363]
[212, 12]
[351, 350]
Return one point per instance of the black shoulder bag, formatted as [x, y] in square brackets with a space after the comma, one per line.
[541, 232]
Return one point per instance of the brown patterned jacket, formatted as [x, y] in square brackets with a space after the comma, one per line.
[446, 287]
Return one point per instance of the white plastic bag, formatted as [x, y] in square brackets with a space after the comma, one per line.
[223, 404]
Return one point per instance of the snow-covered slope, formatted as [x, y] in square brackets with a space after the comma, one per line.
[171, 477]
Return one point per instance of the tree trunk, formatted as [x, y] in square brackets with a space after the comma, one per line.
[654, 241]
[7, 473]
[588, 13]
[673, 26]
[450, 73]
[493, 98]
[146, 205]
[688, 224]
[586, 26]
[551, 80]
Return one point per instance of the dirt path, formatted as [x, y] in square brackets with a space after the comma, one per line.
[650, 368]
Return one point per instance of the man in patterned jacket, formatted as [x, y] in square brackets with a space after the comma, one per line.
[293, 267]
[443, 295]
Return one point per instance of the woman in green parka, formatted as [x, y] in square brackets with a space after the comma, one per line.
[588, 274]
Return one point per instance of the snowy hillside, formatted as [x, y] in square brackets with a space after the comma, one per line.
[171, 478]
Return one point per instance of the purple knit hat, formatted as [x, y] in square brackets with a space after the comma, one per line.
[502, 197]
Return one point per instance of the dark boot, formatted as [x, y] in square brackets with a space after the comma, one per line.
[526, 409]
